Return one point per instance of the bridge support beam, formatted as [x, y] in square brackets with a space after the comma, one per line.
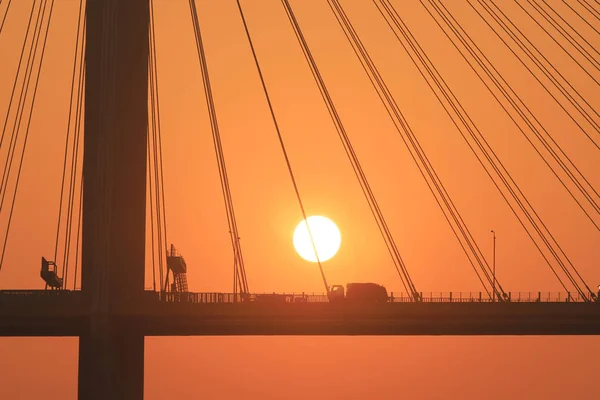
[111, 365]
[111, 359]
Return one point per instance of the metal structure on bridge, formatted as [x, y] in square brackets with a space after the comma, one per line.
[112, 313]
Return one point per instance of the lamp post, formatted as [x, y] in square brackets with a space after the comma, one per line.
[494, 266]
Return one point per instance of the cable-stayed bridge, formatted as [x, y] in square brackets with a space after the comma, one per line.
[113, 162]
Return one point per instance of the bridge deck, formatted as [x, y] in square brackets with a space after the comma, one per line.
[66, 314]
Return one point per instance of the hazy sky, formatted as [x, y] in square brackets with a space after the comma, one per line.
[267, 212]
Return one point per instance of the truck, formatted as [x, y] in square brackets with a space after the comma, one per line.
[358, 293]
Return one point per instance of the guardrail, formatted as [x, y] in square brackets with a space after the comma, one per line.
[480, 297]
[15, 296]
[430, 297]
[240, 298]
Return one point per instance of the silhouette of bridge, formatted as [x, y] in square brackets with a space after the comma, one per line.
[112, 313]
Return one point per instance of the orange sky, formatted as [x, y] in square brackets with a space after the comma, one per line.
[267, 212]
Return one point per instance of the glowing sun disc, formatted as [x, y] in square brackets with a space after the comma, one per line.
[326, 236]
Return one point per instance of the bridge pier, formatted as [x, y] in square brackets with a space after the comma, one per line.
[111, 365]
[111, 359]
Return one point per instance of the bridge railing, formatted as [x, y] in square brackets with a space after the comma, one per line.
[549, 297]
[426, 297]
[11, 299]
[216, 297]
[18, 296]
[482, 297]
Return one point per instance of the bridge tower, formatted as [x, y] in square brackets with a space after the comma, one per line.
[111, 358]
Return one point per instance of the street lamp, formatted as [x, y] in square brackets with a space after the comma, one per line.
[494, 266]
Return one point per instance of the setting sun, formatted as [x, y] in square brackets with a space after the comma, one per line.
[325, 234]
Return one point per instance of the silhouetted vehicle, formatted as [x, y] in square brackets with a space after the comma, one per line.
[359, 293]
[271, 298]
[302, 299]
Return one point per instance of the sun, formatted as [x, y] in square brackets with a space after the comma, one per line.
[326, 236]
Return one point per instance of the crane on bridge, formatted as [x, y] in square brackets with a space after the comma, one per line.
[49, 274]
[177, 266]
